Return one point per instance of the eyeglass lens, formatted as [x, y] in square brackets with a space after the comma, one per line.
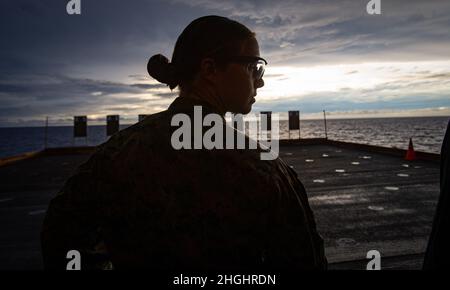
[258, 70]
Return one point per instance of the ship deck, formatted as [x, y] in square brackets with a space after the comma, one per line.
[363, 197]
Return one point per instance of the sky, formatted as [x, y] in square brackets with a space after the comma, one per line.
[323, 55]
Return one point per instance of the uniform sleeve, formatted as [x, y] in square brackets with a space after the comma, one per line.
[293, 242]
[73, 219]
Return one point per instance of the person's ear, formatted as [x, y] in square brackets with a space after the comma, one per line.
[208, 69]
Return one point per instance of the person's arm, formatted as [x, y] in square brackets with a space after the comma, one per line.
[294, 243]
[73, 220]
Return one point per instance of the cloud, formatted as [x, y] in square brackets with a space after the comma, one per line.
[167, 94]
[138, 77]
[440, 76]
[56, 64]
[149, 86]
[332, 31]
[31, 95]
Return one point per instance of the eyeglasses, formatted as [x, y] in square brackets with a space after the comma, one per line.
[255, 64]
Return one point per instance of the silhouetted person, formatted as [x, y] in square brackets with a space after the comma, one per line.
[437, 256]
[139, 203]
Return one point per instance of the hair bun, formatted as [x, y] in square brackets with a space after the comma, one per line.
[159, 68]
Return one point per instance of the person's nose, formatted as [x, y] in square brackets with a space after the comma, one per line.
[259, 83]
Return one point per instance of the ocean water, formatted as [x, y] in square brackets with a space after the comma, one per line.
[427, 134]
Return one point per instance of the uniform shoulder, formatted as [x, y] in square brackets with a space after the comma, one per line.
[141, 131]
[133, 138]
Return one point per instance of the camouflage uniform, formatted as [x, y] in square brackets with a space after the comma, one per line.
[139, 203]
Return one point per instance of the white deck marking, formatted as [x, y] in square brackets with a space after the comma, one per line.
[6, 199]
[36, 212]
[376, 208]
[345, 242]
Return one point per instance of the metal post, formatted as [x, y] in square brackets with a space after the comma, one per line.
[257, 128]
[86, 137]
[299, 125]
[325, 121]
[45, 133]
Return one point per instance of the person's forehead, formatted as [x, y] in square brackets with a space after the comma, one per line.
[250, 47]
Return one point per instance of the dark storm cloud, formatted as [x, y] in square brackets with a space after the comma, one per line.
[43, 94]
[38, 85]
[327, 31]
[164, 95]
[55, 63]
[41, 36]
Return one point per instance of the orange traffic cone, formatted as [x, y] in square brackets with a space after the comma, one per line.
[410, 154]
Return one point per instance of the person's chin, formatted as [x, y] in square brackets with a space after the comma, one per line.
[247, 109]
[243, 110]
